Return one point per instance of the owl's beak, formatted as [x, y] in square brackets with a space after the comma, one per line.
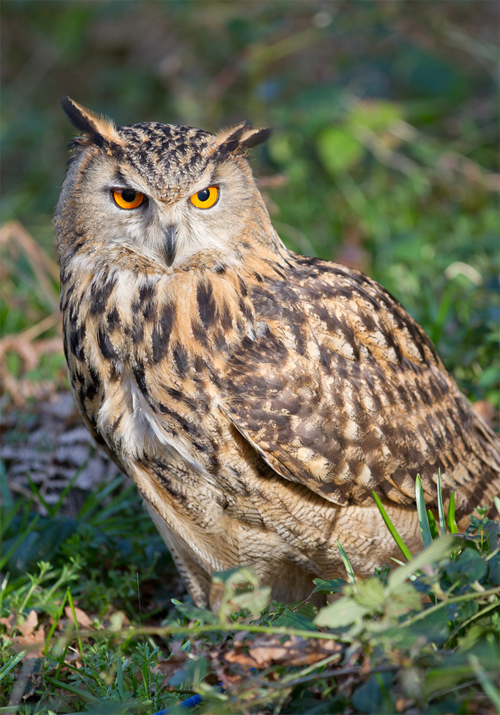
[170, 244]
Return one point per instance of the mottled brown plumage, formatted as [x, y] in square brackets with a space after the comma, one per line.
[255, 396]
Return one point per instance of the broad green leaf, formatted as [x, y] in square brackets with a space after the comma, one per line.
[289, 619]
[432, 627]
[335, 585]
[467, 567]
[195, 614]
[402, 599]
[461, 612]
[494, 570]
[368, 698]
[370, 594]
[491, 531]
[434, 552]
[239, 588]
[343, 612]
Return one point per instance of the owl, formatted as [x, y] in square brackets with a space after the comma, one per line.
[255, 396]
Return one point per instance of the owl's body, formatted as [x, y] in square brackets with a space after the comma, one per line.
[256, 397]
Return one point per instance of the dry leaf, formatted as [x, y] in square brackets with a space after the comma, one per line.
[34, 643]
[294, 651]
[81, 617]
[29, 624]
[9, 621]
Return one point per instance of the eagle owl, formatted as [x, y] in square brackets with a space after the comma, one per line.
[256, 397]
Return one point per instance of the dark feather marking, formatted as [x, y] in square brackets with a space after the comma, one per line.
[188, 427]
[137, 334]
[206, 304]
[199, 332]
[63, 303]
[220, 340]
[75, 341]
[226, 320]
[149, 310]
[214, 464]
[199, 364]
[181, 359]
[177, 395]
[113, 319]
[161, 332]
[140, 377]
[169, 485]
[93, 386]
[105, 346]
[243, 287]
[75, 248]
[146, 292]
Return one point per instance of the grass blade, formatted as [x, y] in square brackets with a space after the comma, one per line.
[442, 522]
[57, 618]
[72, 606]
[432, 525]
[452, 524]
[394, 532]
[11, 663]
[486, 684]
[423, 521]
[38, 494]
[347, 563]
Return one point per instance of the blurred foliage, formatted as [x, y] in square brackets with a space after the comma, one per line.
[384, 153]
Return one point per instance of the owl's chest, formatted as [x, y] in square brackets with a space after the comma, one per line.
[145, 387]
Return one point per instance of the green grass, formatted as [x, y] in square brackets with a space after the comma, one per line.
[423, 636]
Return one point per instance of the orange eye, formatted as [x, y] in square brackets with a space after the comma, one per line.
[205, 198]
[127, 198]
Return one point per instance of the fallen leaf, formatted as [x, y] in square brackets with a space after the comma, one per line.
[81, 617]
[29, 625]
[295, 651]
[34, 643]
[9, 621]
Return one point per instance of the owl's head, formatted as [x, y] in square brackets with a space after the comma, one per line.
[163, 191]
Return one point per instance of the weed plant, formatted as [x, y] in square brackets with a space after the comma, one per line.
[420, 638]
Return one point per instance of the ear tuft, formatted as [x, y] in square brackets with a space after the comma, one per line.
[235, 140]
[255, 137]
[95, 129]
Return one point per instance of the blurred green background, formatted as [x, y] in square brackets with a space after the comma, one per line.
[385, 147]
